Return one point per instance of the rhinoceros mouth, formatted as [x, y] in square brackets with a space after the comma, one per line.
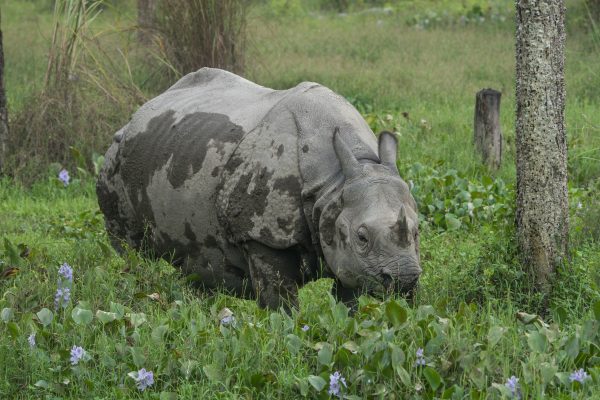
[385, 285]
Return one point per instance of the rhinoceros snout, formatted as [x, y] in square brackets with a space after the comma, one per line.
[402, 282]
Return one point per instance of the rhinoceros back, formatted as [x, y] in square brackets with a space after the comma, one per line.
[161, 174]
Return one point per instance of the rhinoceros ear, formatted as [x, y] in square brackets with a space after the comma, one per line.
[350, 165]
[388, 148]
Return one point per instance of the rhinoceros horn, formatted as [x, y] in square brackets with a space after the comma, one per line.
[402, 225]
[388, 147]
[350, 166]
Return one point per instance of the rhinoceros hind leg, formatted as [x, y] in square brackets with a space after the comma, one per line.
[275, 274]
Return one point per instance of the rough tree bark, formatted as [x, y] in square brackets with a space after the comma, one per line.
[487, 134]
[542, 207]
[146, 10]
[3, 108]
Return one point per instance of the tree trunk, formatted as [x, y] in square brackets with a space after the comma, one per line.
[542, 206]
[487, 133]
[3, 111]
[146, 10]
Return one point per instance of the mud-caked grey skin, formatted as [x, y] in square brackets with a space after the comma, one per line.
[250, 188]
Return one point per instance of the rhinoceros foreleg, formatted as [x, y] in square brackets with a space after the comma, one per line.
[275, 274]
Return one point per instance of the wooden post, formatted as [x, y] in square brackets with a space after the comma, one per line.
[3, 109]
[487, 132]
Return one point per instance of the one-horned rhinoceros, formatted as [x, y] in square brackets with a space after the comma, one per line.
[249, 188]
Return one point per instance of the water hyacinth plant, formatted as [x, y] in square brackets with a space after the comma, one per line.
[579, 376]
[143, 379]
[63, 176]
[77, 354]
[335, 389]
[512, 384]
[420, 357]
[65, 284]
[31, 340]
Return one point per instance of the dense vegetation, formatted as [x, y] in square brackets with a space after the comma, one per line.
[476, 321]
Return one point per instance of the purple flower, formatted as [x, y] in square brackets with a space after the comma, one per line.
[228, 320]
[334, 384]
[512, 384]
[579, 376]
[420, 357]
[63, 176]
[77, 353]
[62, 297]
[31, 340]
[142, 378]
[65, 271]
[305, 328]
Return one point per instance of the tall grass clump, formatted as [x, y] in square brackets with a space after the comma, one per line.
[202, 33]
[81, 102]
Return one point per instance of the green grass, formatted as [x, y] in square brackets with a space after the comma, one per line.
[465, 314]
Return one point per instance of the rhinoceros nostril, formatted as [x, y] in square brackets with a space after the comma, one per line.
[387, 280]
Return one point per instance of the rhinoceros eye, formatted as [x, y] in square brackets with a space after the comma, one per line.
[362, 236]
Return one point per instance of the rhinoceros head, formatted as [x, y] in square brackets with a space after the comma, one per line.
[369, 232]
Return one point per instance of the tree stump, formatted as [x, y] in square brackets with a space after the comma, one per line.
[487, 133]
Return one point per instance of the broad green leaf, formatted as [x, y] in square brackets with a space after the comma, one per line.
[137, 319]
[106, 317]
[118, 309]
[45, 316]
[303, 386]
[317, 382]
[548, 371]
[158, 333]
[433, 378]
[494, 335]
[527, 318]
[403, 375]
[398, 356]
[7, 314]
[424, 311]
[351, 346]
[572, 347]
[187, 368]
[452, 223]
[395, 313]
[537, 342]
[293, 343]
[13, 329]
[168, 396]
[325, 355]
[343, 357]
[81, 316]
[42, 384]
[139, 359]
[213, 372]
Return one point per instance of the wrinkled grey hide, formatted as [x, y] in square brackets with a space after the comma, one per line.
[249, 187]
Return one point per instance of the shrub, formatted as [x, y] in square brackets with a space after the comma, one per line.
[83, 98]
[202, 33]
